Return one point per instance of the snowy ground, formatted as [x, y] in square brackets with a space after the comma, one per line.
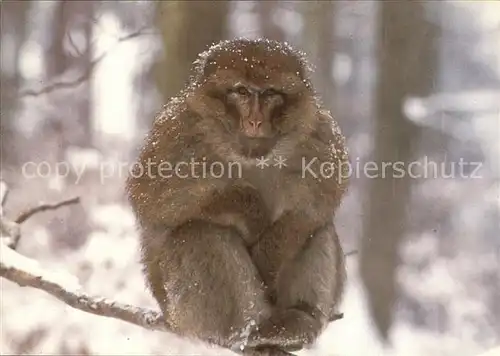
[35, 323]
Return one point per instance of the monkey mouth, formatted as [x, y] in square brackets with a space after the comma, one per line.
[254, 147]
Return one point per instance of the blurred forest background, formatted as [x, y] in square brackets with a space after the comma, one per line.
[407, 80]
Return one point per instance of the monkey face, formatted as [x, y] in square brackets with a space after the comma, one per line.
[253, 111]
[256, 94]
[254, 108]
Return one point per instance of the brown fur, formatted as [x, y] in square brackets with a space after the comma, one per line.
[259, 244]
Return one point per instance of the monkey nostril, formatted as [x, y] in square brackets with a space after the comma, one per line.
[252, 128]
[256, 124]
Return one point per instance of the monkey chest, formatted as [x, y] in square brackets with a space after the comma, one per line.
[280, 189]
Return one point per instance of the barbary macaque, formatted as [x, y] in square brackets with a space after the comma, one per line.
[245, 254]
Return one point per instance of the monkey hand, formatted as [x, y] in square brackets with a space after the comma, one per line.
[266, 351]
[280, 243]
[289, 330]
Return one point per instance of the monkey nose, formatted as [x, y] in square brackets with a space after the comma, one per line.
[253, 128]
[255, 124]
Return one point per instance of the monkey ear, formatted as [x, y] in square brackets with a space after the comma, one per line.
[203, 66]
[209, 68]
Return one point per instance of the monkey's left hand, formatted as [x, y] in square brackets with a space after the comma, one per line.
[290, 330]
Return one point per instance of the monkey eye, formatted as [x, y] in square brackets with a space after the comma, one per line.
[242, 90]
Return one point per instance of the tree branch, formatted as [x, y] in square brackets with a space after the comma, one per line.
[351, 253]
[44, 207]
[4, 191]
[62, 285]
[65, 287]
[11, 231]
[57, 85]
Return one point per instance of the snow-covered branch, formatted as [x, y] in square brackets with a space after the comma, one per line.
[65, 287]
[60, 284]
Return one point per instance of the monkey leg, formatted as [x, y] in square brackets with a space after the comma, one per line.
[212, 288]
[307, 291]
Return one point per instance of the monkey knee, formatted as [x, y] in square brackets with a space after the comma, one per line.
[212, 287]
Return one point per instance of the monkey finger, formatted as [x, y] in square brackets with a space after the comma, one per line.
[289, 330]
[266, 351]
[276, 339]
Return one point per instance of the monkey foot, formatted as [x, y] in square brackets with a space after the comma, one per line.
[289, 330]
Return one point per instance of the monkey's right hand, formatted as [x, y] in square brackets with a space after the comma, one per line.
[266, 351]
[289, 330]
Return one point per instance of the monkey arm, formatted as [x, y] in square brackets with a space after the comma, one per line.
[169, 184]
[300, 260]
[306, 293]
[240, 207]
[308, 199]
[172, 201]
[279, 243]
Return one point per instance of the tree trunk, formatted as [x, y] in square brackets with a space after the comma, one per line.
[318, 43]
[187, 28]
[70, 16]
[268, 26]
[407, 58]
[13, 22]
[63, 130]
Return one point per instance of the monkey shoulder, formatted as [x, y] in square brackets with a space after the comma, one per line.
[174, 135]
[169, 179]
[328, 142]
[328, 133]
[317, 173]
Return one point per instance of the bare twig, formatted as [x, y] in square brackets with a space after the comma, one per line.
[4, 191]
[351, 253]
[84, 76]
[73, 44]
[10, 232]
[44, 207]
[65, 287]
[11, 229]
